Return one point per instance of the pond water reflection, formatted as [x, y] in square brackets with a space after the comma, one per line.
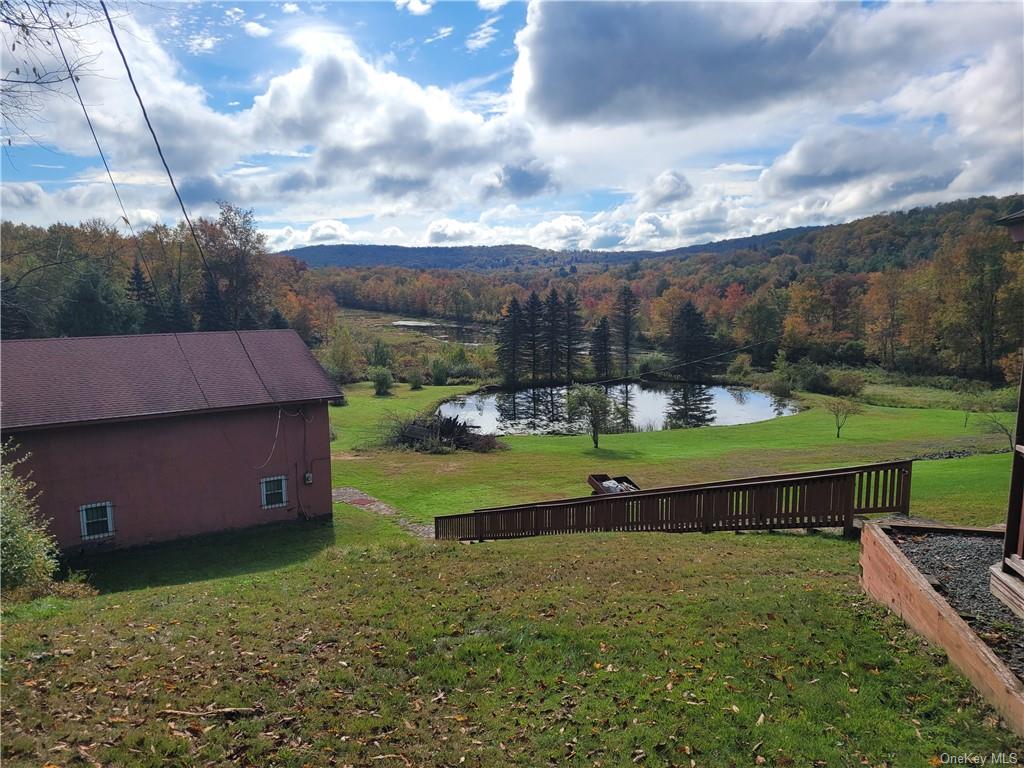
[637, 408]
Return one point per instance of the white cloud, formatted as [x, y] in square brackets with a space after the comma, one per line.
[491, 5]
[255, 29]
[290, 8]
[483, 35]
[199, 44]
[415, 7]
[440, 34]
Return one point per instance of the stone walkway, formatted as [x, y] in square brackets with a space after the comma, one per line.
[357, 498]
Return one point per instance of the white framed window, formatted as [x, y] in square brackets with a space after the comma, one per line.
[97, 520]
[274, 491]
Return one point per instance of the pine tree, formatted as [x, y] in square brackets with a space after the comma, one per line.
[277, 320]
[626, 308]
[247, 320]
[143, 296]
[572, 330]
[533, 316]
[690, 341]
[601, 349]
[553, 320]
[213, 315]
[179, 319]
[510, 343]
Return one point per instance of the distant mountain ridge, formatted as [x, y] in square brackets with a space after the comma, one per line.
[879, 240]
[499, 257]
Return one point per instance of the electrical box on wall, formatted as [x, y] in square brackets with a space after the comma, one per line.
[308, 479]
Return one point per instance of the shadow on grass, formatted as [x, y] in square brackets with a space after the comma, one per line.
[212, 556]
[610, 453]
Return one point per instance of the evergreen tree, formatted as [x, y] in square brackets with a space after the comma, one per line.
[149, 317]
[247, 320]
[212, 314]
[601, 349]
[690, 341]
[277, 320]
[626, 308]
[553, 320]
[572, 331]
[94, 307]
[510, 343]
[533, 336]
[179, 319]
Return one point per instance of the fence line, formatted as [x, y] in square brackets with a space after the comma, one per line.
[817, 499]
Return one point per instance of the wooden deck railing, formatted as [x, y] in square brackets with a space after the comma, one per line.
[827, 498]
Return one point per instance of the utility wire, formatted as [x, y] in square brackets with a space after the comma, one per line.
[174, 186]
[103, 157]
[159, 149]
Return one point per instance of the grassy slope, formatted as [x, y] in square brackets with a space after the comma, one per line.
[575, 651]
[967, 490]
[356, 642]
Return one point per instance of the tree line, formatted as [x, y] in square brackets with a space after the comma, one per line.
[545, 341]
[934, 291]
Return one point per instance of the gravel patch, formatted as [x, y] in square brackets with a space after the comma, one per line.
[357, 498]
[958, 566]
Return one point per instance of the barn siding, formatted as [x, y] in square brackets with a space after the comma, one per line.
[179, 476]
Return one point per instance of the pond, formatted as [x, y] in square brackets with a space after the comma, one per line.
[471, 334]
[637, 408]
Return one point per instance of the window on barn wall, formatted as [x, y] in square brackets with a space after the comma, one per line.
[274, 491]
[97, 520]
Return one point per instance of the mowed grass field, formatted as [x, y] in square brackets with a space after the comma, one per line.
[969, 490]
[355, 644]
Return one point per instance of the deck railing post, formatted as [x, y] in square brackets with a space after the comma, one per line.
[847, 488]
[905, 478]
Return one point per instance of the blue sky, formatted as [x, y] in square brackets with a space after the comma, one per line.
[563, 125]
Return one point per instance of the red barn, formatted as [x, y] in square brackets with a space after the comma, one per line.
[138, 439]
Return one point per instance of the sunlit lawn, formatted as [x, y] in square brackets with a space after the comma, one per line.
[355, 644]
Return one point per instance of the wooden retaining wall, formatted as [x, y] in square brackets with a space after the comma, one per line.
[889, 577]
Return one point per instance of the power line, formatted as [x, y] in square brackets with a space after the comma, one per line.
[159, 149]
[174, 186]
[103, 157]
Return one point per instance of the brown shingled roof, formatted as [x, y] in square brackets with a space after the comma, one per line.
[48, 382]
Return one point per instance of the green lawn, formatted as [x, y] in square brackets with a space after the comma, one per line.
[355, 644]
[967, 490]
[603, 649]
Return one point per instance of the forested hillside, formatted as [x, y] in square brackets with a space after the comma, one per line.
[935, 290]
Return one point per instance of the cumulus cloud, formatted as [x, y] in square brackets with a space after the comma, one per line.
[290, 8]
[668, 188]
[451, 231]
[415, 7]
[523, 179]
[255, 29]
[616, 62]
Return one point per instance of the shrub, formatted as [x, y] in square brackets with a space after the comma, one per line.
[28, 551]
[415, 378]
[467, 371]
[852, 353]
[438, 372]
[382, 381]
[779, 386]
[434, 433]
[652, 361]
[741, 367]
[846, 383]
[379, 355]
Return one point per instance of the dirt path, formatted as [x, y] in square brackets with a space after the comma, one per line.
[358, 498]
